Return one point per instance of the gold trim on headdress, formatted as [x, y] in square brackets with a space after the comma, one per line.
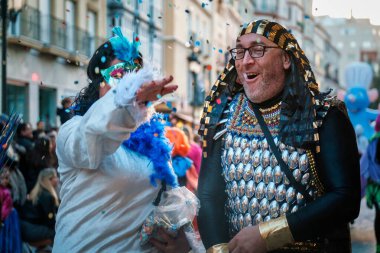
[262, 26]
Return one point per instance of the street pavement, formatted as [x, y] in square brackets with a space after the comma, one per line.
[362, 233]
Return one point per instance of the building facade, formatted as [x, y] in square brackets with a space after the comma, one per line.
[296, 15]
[357, 39]
[49, 45]
[197, 37]
[142, 18]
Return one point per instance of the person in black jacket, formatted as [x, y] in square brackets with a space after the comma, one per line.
[65, 113]
[280, 168]
[39, 210]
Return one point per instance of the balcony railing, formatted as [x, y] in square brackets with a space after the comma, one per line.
[53, 32]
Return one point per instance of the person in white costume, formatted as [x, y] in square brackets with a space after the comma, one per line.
[106, 191]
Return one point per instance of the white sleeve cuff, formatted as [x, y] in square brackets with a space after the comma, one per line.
[126, 93]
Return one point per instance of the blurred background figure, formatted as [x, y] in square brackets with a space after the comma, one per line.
[195, 152]
[358, 96]
[361, 139]
[181, 147]
[40, 157]
[370, 174]
[195, 155]
[65, 113]
[39, 211]
[23, 145]
[52, 136]
[40, 131]
[10, 237]
[10, 240]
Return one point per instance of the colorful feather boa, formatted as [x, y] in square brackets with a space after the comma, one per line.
[149, 140]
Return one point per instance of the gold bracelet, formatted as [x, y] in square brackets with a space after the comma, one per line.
[276, 233]
[218, 248]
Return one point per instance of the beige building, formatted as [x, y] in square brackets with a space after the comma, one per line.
[296, 15]
[49, 44]
[357, 39]
[187, 28]
[197, 35]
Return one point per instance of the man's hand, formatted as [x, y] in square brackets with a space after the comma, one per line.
[169, 244]
[155, 89]
[248, 240]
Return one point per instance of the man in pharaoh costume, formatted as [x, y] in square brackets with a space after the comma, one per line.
[280, 168]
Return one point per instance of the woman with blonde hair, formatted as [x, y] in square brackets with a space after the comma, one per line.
[39, 211]
[47, 180]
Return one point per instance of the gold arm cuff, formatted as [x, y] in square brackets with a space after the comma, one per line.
[276, 233]
[218, 248]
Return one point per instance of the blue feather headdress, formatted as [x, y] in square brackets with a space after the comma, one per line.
[149, 140]
[124, 49]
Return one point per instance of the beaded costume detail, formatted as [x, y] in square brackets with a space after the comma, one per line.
[257, 189]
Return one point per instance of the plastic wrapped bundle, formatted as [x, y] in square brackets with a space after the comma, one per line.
[177, 209]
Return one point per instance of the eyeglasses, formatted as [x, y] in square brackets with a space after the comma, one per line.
[255, 51]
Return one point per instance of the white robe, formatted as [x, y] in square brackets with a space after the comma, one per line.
[106, 193]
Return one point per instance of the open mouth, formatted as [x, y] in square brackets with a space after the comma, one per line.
[251, 76]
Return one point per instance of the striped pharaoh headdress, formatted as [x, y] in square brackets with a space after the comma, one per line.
[301, 97]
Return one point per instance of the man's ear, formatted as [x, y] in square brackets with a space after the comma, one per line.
[286, 60]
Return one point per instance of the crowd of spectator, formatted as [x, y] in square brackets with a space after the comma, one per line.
[29, 189]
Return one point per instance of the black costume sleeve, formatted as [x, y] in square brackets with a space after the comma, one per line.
[211, 192]
[377, 151]
[338, 169]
